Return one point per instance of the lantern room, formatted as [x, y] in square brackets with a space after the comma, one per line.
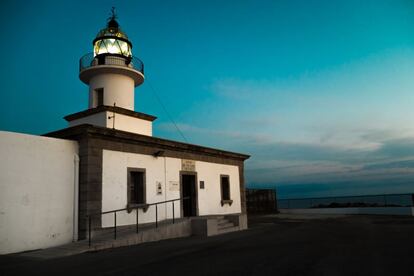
[112, 40]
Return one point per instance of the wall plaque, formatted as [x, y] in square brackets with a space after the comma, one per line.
[187, 165]
[174, 185]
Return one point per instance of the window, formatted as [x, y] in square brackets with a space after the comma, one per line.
[225, 190]
[136, 186]
[99, 96]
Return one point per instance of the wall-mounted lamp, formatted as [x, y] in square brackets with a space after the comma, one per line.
[158, 153]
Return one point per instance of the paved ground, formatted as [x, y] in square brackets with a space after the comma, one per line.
[274, 245]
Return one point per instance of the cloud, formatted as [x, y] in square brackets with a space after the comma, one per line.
[278, 163]
[349, 124]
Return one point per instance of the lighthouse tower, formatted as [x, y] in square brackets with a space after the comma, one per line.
[112, 73]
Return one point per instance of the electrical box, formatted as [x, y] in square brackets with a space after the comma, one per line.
[159, 188]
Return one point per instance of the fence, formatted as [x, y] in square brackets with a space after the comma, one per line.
[261, 201]
[388, 200]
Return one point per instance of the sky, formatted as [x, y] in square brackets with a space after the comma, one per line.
[319, 93]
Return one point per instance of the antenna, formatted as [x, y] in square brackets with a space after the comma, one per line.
[113, 117]
[165, 110]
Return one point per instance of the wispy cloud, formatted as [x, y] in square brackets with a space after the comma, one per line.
[282, 163]
[353, 123]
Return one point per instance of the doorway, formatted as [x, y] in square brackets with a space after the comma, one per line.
[189, 190]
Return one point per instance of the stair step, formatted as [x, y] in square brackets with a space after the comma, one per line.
[223, 220]
[225, 225]
[228, 230]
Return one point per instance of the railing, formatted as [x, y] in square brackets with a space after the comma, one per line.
[135, 207]
[387, 200]
[90, 60]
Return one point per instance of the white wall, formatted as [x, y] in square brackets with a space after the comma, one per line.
[164, 170]
[37, 182]
[97, 119]
[210, 198]
[130, 124]
[122, 122]
[118, 89]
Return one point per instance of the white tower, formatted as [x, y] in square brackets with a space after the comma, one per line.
[112, 74]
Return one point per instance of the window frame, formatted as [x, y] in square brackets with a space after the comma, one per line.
[134, 205]
[99, 96]
[229, 200]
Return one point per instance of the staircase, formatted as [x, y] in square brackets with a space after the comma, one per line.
[225, 226]
[217, 225]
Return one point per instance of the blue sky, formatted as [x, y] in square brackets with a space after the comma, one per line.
[320, 93]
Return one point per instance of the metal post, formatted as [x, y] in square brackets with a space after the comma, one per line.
[156, 216]
[115, 225]
[89, 230]
[173, 211]
[137, 219]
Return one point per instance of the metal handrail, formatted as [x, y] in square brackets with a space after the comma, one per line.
[328, 197]
[90, 60]
[383, 200]
[130, 208]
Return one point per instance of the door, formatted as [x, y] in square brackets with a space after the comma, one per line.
[188, 186]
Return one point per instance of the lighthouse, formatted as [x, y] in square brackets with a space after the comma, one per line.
[112, 73]
[107, 170]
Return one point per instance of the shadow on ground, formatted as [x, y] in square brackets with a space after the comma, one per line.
[274, 245]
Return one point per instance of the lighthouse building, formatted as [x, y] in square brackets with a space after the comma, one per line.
[106, 169]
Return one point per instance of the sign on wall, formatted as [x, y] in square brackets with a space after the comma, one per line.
[174, 185]
[159, 188]
[187, 165]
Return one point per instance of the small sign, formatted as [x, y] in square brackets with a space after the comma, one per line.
[174, 185]
[188, 165]
[201, 184]
[159, 188]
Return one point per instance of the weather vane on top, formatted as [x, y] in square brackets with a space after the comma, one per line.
[112, 19]
[113, 14]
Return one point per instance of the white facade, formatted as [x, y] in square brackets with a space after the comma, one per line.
[118, 89]
[117, 121]
[164, 170]
[38, 192]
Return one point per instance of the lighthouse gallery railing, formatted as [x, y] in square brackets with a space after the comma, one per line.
[90, 60]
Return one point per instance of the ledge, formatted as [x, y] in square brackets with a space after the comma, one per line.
[226, 201]
[87, 130]
[115, 109]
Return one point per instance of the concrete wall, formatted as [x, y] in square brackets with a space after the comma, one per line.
[97, 119]
[166, 171]
[38, 177]
[130, 124]
[122, 122]
[403, 211]
[118, 89]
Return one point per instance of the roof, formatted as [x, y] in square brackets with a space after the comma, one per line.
[77, 132]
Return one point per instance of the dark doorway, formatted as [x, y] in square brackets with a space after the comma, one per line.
[188, 186]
